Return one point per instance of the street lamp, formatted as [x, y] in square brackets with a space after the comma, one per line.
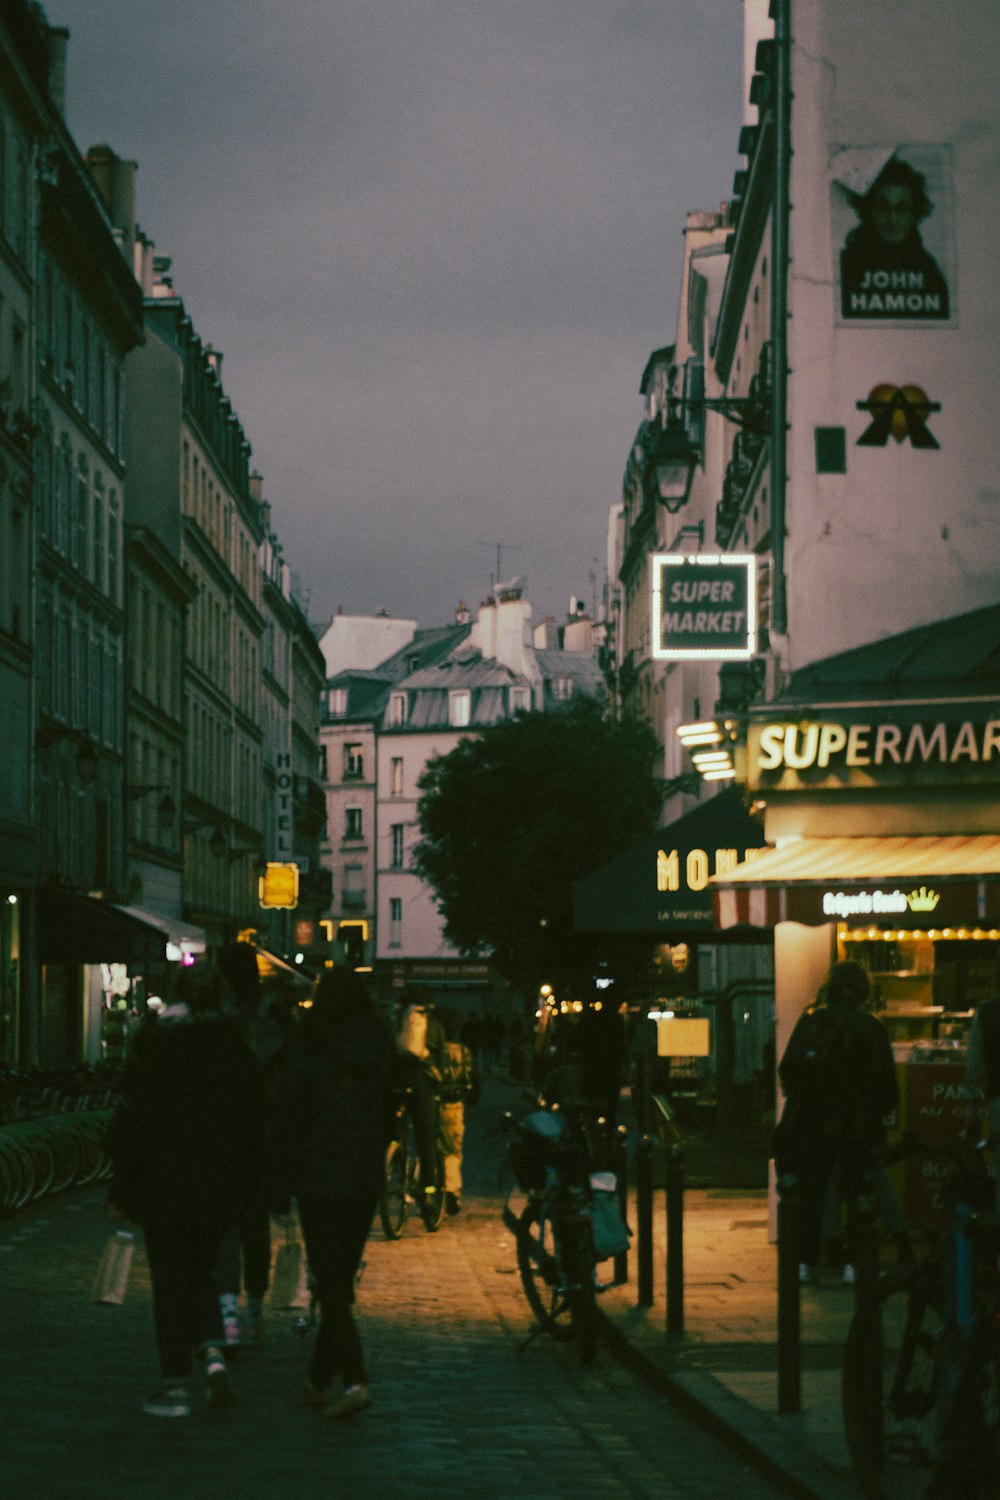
[670, 466]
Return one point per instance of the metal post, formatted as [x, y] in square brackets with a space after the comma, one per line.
[675, 1242]
[619, 1162]
[789, 1312]
[644, 1220]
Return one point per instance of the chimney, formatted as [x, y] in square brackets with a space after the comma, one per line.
[462, 613]
[114, 180]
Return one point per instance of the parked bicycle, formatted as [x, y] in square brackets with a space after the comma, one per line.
[921, 1378]
[404, 1188]
[568, 1224]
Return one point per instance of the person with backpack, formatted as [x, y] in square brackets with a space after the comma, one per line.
[839, 1079]
[459, 1085]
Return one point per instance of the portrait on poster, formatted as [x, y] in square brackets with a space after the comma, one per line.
[892, 218]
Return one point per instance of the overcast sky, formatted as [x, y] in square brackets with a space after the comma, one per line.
[436, 241]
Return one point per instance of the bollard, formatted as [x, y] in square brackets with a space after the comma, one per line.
[644, 1220]
[619, 1163]
[789, 1311]
[675, 1242]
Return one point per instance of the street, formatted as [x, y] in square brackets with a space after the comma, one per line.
[465, 1403]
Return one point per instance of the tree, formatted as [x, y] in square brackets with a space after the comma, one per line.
[511, 818]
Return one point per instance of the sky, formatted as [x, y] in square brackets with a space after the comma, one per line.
[436, 241]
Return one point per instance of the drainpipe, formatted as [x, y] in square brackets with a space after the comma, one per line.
[779, 311]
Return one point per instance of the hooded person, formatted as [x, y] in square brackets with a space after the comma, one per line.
[839, 1079]
[186, 1147]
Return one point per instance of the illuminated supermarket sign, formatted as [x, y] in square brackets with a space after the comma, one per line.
[704, 606]
[886, 750]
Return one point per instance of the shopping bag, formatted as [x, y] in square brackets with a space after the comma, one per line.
[288, 1276]
[111, 1280]
[611, 1234]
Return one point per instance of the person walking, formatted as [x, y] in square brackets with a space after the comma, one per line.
[332, 1122]
[186, 1147]
[839, 1080]
[459, 1086]
[244, 1259]
[421, 1042]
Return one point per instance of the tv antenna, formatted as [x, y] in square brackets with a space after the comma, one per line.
[501, 547]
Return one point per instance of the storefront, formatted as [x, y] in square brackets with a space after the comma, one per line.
[882, 819]
[703, 983]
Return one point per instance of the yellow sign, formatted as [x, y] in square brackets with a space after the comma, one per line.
[279, 886]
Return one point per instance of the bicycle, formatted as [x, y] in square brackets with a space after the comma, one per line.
[404, 1188]
[921, 1376]
[552, 1159]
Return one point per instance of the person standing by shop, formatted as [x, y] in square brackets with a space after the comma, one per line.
[332, 1122]
[839, 1080]
[982, 1067]
[186, 1148]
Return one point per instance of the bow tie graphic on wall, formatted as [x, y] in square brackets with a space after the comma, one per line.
[898, 411]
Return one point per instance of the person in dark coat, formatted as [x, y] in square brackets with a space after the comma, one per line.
[332, 1125]
[839, 1080]
[186, 1151]
[245, 1255]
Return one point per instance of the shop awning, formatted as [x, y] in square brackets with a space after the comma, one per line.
[77, 929]
[270, 965]
[660, 886]
[916, 880]
[182, 935]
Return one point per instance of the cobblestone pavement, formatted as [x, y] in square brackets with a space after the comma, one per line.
[464, 1406]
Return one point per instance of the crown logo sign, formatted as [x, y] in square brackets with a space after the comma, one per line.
[922, 900]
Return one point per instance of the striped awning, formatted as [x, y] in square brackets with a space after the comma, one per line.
[815, 879]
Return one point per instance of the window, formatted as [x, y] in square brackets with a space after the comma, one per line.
[354, 888]
[520, 700]
[396, 783]
[395, 922]
[323, 771]
[459, 708]
[353, 823]
[397, 709]
[396, 857]
[354, 762]
[562, 687]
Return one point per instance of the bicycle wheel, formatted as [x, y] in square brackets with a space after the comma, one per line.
[969, 1463]
[540, 1271]
[432, 1211]
[578, 1264]
[890, 1382]
[394, 1204]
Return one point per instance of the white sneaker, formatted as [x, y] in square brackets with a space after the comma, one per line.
[170, 1401]
[805, 1274]
[848, 1275]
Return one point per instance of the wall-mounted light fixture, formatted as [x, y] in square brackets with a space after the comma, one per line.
[166, 809]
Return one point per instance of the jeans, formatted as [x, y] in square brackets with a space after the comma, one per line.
[247, 1245]
[185, 1306]
[335, 1231]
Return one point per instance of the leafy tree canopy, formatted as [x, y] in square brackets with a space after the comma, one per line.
[511, 818]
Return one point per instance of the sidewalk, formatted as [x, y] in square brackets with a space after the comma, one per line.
[725, 1366]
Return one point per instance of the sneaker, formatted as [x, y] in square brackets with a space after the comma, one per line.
[171, 1401]
[805, 1274]
[848, 1275]
[356, 1398]
[220, 1390]
[452, 1204]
